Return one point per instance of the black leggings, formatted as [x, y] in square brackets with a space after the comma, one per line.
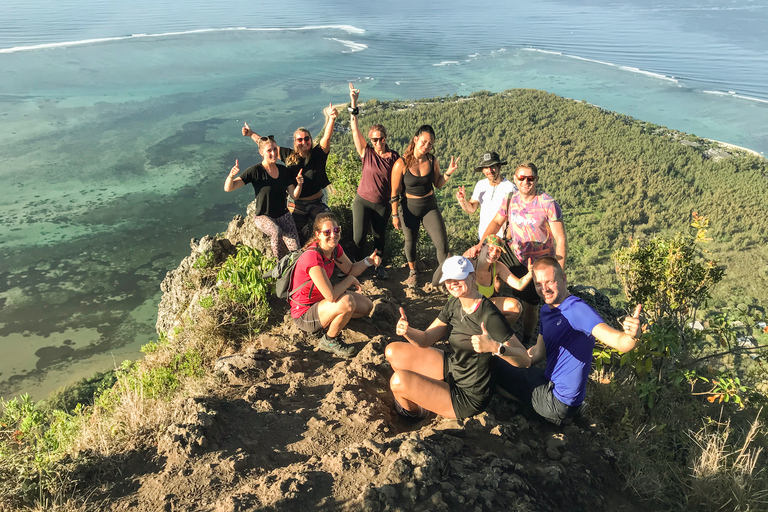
[423, 210]
[367, 215]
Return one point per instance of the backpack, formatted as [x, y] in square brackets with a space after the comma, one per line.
[283, 274]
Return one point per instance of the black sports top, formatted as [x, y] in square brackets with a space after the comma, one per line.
[270, 192]
[419, 185]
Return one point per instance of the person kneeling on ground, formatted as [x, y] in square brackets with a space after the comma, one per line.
[490, 271]
[568, 329]
[458, 384]
[315, 303]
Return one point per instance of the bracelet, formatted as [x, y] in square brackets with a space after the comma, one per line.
[368, 262]
[353, 111]
[394, 199]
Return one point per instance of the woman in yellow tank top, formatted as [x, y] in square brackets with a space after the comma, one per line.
[490, 272]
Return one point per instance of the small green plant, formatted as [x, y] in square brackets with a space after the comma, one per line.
[205, 260]
[344, 173]
[240, 281]
[206, 302]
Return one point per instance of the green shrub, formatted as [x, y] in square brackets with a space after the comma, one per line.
[240, 282]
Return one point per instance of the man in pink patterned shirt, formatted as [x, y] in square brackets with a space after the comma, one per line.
[534, 229]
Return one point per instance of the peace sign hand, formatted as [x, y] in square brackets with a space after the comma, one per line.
[452, 166]
[461, 195]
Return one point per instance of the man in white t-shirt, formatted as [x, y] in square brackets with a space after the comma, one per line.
[489, 193]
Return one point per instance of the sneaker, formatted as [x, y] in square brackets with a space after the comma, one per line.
[381, 273]
[413, 279]
[336, 346]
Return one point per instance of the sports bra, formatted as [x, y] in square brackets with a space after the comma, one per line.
[419, 185]
[488, 290]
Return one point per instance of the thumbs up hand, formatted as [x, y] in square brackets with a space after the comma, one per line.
[235, 170]
[402, 324]
[631, 324]
[300, 177]
[482, 342]
[247, 132]
[375, 258]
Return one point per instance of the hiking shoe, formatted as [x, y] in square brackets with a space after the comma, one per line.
[381, 273]
[336, 346]
[413, 279]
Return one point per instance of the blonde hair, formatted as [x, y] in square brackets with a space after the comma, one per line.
[295, 157]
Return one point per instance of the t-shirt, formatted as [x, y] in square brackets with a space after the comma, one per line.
[472, 371]
[270, 192]
[308, 294]
[491, 199]
[529, 232]
[315, 177]
[376, 177]
[567, 333]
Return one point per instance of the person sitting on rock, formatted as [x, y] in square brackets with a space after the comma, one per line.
[455, 384]
[490, 272]
[568, 329]
[271, 182]
[316, 304]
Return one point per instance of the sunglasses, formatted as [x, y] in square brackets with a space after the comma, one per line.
[529, 179]
[268, 137]
[377, 139]
[302, 139]
[335, 230]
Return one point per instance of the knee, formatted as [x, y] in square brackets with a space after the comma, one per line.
[392, 353]
[347, 304]
[397, 382]
[515, 306]
[364, 304]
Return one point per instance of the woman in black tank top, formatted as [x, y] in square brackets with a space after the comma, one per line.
[413, 178]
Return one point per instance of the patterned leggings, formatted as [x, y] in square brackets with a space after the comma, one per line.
[281, 231]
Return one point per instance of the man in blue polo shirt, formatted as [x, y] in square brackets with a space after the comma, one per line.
[568, 328]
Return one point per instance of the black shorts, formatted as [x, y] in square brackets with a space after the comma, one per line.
[533, 388]
[310, 320]
[465, 404]
[527, 294]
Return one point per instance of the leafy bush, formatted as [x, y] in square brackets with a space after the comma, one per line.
[240, 282]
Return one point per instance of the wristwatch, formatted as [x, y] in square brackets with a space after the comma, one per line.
[501, 350]
[353, 111]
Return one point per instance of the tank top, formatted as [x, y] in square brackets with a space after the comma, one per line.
[419, 185]
[488, 290]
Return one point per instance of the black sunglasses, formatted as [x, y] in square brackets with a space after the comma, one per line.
[268, 137]
[377, 139]
[302, 139]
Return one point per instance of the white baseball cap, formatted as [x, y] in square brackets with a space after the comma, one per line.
[456, 267]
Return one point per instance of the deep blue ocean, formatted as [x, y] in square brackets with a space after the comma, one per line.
[120, 120]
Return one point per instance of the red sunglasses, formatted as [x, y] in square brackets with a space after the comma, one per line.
[529, 179]
[327, 232]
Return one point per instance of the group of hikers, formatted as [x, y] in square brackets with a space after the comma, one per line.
[522, 242]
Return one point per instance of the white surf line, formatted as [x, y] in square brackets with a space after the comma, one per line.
[347, 28]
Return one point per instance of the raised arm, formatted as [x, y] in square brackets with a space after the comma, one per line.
[232, 183]
[295, 190]
[625, 340]
[330, 122]
[561, 241]
[468, 206]
[357, 136]
[422, 339]
[442, 179]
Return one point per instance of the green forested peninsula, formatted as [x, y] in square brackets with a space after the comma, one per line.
[615, 177]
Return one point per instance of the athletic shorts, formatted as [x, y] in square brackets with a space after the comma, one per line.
[465, 404]
[533, 388]
[310, 320]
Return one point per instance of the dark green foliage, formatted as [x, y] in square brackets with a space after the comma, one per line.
[615, 177]
[82, 391]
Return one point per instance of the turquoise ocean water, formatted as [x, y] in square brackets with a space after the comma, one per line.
[120, 122]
